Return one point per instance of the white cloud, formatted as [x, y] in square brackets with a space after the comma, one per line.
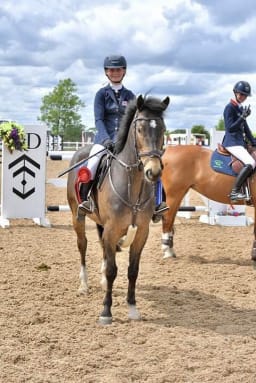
[192, 50]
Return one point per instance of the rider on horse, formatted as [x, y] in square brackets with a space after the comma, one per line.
[237, 135]
[109, 107]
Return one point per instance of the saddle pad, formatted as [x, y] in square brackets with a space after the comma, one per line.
[222, 164]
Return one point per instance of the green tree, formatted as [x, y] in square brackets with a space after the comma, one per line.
[220, 125]
[177, 131]
[200, 129]
[60, 111]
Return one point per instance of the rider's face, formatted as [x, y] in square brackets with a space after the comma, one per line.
[241, 97]
[115, 75]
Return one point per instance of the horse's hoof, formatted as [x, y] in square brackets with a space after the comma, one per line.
[169, 254]
[133, 313]
[82, 290]
[105, 320]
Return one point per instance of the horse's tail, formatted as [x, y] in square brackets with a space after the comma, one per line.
[129, 237]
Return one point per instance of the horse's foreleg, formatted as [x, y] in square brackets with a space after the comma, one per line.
[133, 270]
[168, 232]
[110, 270]
[167, 245]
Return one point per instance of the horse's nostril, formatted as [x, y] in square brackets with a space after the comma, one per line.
[149, 174]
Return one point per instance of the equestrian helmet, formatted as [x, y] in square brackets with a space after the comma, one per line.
[242, 87]
[115, 61]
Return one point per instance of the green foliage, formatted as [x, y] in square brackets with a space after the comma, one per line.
[220, 125]
[178, 131]
[59, 110]
[200, 129]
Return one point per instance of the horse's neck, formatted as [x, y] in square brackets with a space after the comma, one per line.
[128, 168]
[128, 155]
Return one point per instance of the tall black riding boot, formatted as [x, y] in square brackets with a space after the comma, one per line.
[86, 205]
[236, 194]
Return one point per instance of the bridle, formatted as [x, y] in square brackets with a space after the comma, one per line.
[156, 153]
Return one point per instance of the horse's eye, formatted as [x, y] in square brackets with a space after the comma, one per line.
[139, 129]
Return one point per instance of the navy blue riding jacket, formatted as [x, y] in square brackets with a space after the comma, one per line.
[236, 128]
[108, 110]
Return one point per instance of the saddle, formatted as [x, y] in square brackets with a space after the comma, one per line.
[224, 162]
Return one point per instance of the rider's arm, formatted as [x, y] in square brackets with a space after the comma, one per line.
[233, 121]
[99, 116]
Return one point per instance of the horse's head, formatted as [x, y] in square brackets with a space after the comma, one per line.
[149, 134]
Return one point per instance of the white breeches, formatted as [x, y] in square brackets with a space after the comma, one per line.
[93, 162]
[242, 154]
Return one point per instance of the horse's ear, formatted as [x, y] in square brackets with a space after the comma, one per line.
[140, 102]
[166, 101]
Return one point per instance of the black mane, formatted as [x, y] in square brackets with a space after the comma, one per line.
[150, 104]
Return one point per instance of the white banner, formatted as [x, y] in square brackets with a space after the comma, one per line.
[23, 177]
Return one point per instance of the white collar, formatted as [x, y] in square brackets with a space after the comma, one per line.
[116, 87]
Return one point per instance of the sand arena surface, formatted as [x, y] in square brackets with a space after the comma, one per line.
[198, 311]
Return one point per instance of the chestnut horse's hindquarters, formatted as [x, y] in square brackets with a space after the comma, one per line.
[189, 166]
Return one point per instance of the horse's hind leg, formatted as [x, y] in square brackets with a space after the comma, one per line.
[79, 227]
[168, 224]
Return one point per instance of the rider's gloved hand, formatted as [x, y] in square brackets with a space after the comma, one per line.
[109, 144]
[246, 112]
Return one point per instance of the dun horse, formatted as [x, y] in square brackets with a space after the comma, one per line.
[189, 166]
[124, 199]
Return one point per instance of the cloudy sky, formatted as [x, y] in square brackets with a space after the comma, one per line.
[191, 50]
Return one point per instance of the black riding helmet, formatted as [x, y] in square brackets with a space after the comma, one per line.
[242, 87]
[115, 61]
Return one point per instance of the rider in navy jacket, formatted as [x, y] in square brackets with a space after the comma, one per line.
[238, 135]
[109, 106]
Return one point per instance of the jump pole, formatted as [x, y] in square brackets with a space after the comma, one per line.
[182, 208]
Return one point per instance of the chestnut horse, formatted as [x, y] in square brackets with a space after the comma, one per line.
[189, 166]
[124, 198]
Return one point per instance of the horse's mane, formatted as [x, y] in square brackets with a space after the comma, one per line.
[151, 104]
[125, 123]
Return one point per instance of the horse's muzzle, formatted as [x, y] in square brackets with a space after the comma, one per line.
[153, 169]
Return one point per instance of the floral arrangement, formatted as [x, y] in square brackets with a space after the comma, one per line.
[13, 136]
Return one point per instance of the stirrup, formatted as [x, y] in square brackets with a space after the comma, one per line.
[237, 196]
[86, 207]
[161, 209]
[158, 213]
